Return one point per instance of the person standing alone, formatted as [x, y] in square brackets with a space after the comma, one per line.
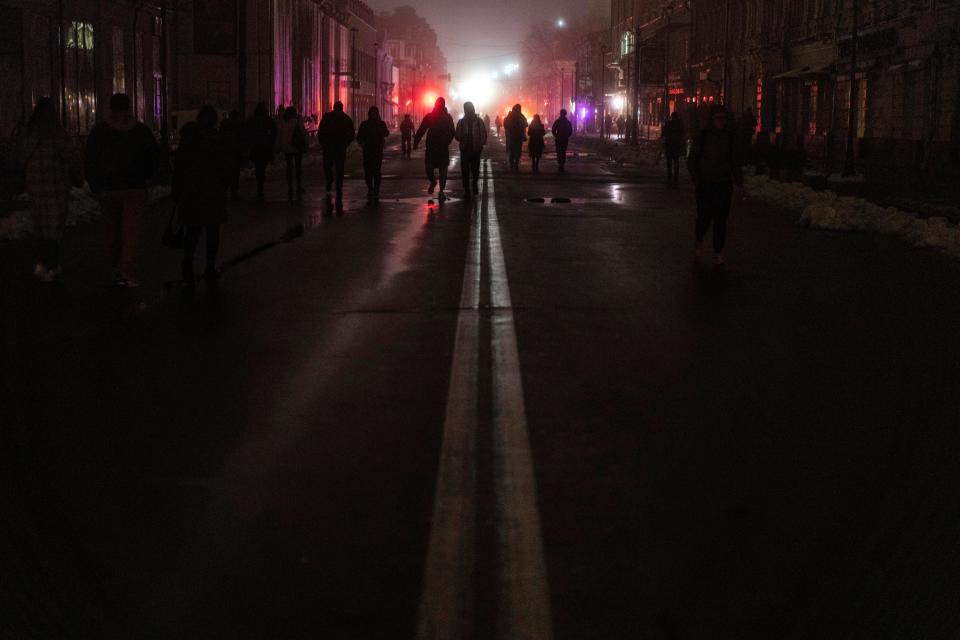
[370, 136]
[335, 134]
[562, 129]
[472, 135]
[121, 156]
[438, 127]
[715, 168]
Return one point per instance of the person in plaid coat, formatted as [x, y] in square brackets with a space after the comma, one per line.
[52, 165]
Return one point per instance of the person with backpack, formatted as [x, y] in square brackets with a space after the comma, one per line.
[438, 127]
[261, 135]
[406, 136]
[536, 132]
[562, 130]
[121, 155]
[471, 133]
[203, 169]
[514, 130]
[371, 136]
[714, 166]
[335, 133]
[51, 165]
[292, 142]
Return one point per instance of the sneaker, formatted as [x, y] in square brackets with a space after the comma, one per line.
[433, 186]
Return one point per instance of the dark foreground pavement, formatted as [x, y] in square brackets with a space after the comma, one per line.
[766, 450]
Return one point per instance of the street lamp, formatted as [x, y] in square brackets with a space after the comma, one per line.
[561, 22]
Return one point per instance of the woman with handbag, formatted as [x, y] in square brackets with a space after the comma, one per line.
[52, 164]
[201, 174]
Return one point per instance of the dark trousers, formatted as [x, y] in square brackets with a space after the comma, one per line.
[372, 171]
[192, 237]
[515, 150]
[470, 169]
[406, 147]
[561, 154]
[442, 168]
[294, 163]
[333, 162]
[673, 168]
[260, 167]
[713, 207]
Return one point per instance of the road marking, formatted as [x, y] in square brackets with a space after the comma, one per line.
[446, 607]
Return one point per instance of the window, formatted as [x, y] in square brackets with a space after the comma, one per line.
[626, 43]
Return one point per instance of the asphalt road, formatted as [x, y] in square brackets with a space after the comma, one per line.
[497, 418]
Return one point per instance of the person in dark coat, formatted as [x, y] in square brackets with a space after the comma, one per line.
[438, 127]
[232, 133]
[536, 133]
[562, 130]
[514, 130]
[714, 166]
[371, 136]
[499, 122]
[472, 135]
[292, 142]
[674, 146]
[120, 157]
[406, 136]
[203, 169]
[335, 134]
[261, 136]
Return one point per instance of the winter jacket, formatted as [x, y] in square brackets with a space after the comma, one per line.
[514, 127]
[292, 137]
[673, 135]
[371, 136]
[562, 130]
[202, 170]
[714, 157]
[440, 132]
[335, 132]
[406, 129]
[121, 154]
[536, 133]
[262, 137]
[472, 134]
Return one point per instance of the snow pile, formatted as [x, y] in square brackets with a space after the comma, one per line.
[825, 210]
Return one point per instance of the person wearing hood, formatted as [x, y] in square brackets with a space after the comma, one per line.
[536, 132]
[438, 127]
[203, 169]
[121, 155]
[472, 135]
[514, 130]
[562, 130]
[714, 166]
[371, 136]
[52, 165]
[335, 134]
[406, 136]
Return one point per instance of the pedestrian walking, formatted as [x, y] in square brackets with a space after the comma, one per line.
[233, 134]
[335, 133]
[536, 133]
[514, 130]
[472, 134]
[607, 125]
[562, 130]
[499, 123]
[261, 135]
[714, 166]
[438, 127]
[621, 126]
[292, 142]
[406, 136]
[371, 136]
[486, 123]
[674, 139]
[51, 165]
[121, 156]
[203, 169]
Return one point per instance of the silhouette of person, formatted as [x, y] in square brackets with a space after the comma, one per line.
[292, 143]
[406, 136]
[262, 137]
[335, 134]
[562, 129]
[536, 132]
[472, 135]
[232, 131]
[674, 146]
[438, 127]
[499, 122]
[514, 130]
[371, 136]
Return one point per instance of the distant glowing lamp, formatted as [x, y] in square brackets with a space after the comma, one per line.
[618, 102]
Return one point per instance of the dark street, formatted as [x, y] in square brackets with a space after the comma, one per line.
[495, 418]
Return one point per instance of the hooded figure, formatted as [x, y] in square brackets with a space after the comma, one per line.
[121, 156]
[370, 136]
[440, 132]
[714, 165]
[406, 136]
[514, 130]
[562, 129]
[335, 134]
[472, 135]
